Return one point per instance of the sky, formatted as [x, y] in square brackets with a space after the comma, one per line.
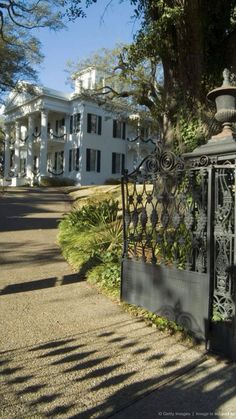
[103, 27]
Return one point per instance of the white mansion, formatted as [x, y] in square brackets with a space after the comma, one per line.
[55, 134]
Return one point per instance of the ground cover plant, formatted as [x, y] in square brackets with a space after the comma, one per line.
[91, 240]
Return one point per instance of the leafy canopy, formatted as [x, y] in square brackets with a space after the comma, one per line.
[19, 48]
[193, 41]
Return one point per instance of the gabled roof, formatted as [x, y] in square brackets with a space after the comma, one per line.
[28, 92]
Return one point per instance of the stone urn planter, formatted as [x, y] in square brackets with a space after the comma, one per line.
[225, 100]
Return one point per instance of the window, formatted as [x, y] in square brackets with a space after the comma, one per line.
[74, 154]
[58, 160]
[60, 123]
[35, 163]
[75, 123]
[94, 124]
[23, 166]
[118, 163]
[12, 155]
[50, 161]
[119, 129]
[93, 160]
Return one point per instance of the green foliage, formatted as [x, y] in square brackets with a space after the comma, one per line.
[107, 277]
[191, 133]
[57, 181]
[112, 181]
[173, 245]
[91, 241]
[161, 323]
[108, 240]
[76, 8]
[218, 316]
[19, 48]
[177, 56]
[92, 244]
[92, 214]
[30, 14]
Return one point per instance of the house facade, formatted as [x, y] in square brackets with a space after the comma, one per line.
[59, 135]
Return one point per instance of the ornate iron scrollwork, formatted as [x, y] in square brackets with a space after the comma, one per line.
[224, 232]
[162, 217]
[166, 210]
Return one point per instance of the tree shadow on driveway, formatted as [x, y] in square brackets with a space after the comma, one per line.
[87, 375]
[41, 284]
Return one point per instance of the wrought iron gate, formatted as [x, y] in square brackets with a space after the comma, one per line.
[179, 241]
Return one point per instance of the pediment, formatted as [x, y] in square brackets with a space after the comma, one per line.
[16, 99]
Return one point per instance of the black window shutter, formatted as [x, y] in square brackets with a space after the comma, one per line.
[71, 124]
[70, 160]
[88, 159]
[57, 127]
[114, 128]
[77, 160]
[77, 122]
[98, 161]
[113, 167]
[123, 131]
[55, 161]
[123, 164]
[63, 122]
[62, 160]
[89, 122]
[99, 125]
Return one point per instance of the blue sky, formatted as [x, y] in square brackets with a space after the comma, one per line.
[83, 37]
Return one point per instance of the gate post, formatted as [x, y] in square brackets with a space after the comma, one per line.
[218, 157]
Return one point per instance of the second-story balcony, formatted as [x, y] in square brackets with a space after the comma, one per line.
[57, 136]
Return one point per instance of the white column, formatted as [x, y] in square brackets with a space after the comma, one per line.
[29, 156]
[43, 144]
[17, 148]
[7, 152]
[66, 146]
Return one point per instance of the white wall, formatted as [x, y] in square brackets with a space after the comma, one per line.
[62, 108]
[104, 142]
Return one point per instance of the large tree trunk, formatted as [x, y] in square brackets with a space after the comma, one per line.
[194, 56]
[190, 47]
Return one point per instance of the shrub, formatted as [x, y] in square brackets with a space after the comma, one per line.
[91, 241]
[56, 181]
[107, 277]
[93, 214]
[112, 181]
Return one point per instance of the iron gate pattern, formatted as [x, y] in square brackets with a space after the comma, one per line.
[224, 241]
[180, 215]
